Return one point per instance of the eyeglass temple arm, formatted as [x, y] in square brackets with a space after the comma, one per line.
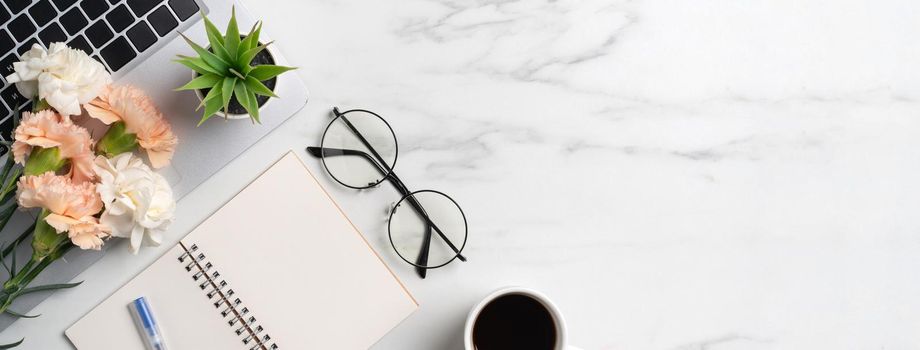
[321, 152]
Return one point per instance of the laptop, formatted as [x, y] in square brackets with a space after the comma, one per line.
[137, 40]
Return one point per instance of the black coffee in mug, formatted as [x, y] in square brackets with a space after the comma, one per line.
[514, 321]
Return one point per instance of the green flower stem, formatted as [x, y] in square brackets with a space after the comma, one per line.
[45, 243]
[8, 176]
[117, 140]
[43, 160]
[47, 247]
[29, 271]
[14, 286]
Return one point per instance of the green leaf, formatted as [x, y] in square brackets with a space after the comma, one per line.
[197, 64]
[238, 74]
[268, 71]
[243, 96]
[11, 345]
[247, 56]
[48, 287]
[257, 87]
[232, 37]
[8, 164]
[12, 179]
[210, 58]
[3, 262]
[212, 31]
[212, 94]
[17, 117]
[216, 40]
[227, 91]
[16, 314]
[253, 106]
[218, 48]
[13, 261]
[22, 236]
[251, 39]
[211, 106]
[202, 81]
[10, 249]
[239, 90]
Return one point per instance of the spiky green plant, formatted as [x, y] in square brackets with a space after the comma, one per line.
[225, 68]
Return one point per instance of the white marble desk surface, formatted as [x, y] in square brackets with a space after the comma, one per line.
[675, 174]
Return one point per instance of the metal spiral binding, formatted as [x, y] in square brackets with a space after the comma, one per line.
[208, 278]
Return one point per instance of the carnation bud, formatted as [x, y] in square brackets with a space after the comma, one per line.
[46, 240]
[116, 141]
[43, 160]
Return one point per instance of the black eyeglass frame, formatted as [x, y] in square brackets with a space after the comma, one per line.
[387, 171]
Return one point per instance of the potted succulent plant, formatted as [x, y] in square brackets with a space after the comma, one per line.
[235, 75]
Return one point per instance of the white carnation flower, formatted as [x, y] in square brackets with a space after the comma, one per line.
[65, 77]
[138, 202]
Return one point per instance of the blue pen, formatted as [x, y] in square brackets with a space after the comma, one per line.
[146, 324]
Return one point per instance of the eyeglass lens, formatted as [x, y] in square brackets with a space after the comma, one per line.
[358, 167]
[409, 228]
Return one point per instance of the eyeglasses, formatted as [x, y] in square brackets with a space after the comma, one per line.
[359, 151]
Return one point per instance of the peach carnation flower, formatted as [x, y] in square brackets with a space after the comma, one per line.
[72, 207]
[141, 117]
[48, 129]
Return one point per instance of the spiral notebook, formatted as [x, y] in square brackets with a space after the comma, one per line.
[277, 267]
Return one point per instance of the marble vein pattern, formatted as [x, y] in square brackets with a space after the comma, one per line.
[676, 175]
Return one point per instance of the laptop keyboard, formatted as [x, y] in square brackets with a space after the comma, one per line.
[114, 32]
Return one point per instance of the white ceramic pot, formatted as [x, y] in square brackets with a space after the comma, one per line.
[561, 333]
[220, 113]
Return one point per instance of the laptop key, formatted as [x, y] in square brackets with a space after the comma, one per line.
[6, 128]
[141, 7]
[6, 64]
[73, 21]
[4, 15]
[51, 34]
[94, 8]
[162, 20]
[141, 36]
[26, 46]
[17, 5]
[6, 42]
[118, 53]
[5, 112]
[42, 12]
[183, 8]
[63, 4]
[21, 27]
[120, 18]
[99, 34]
[11, 96]
[80, 43]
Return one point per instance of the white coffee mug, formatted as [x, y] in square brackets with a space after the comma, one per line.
[561, 333]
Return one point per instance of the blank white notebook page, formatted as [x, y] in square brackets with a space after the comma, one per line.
[296, 263]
